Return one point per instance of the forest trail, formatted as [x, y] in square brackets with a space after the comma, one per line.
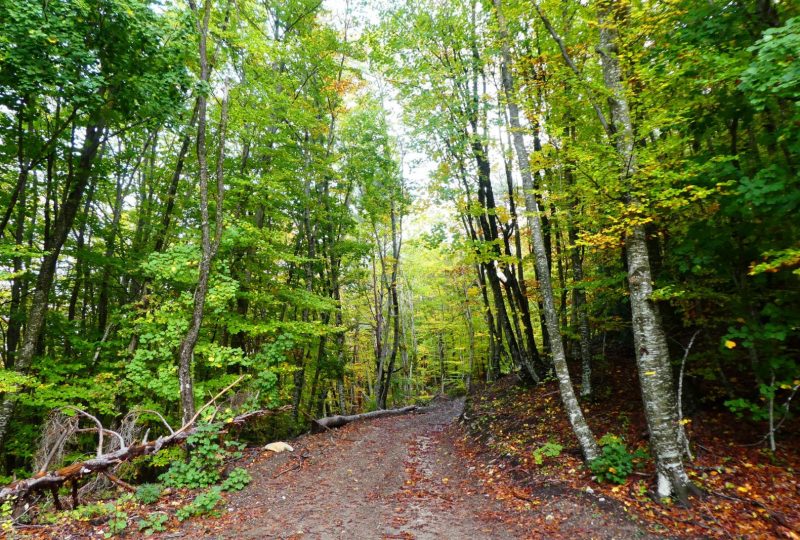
[399, 477]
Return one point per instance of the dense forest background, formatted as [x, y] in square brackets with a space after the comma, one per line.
[195, 192]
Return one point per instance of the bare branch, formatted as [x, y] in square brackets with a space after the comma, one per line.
[55, 433]
[94, 419]
[156, 413]
[681, 429]
[568, 60]
[102, 431]
[208, 404]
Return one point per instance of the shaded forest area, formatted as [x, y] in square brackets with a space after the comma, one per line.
[296, 209]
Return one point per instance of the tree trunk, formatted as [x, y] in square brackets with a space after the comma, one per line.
[394, 309]
[52, 248]
[652, 354]
[15, 312]
[380, 346]
[323, 424]
[172, 191]
[570, 401]
[471, 338]
[521, 291]
[440, 355]
[495, 345]
[488, 223]
[103, 301]
[186, 353]
[579, 307]
[80, 268]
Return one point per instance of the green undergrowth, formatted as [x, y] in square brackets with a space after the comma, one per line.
[196, 476]
[616, 462]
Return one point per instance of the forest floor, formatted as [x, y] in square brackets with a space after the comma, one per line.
[402, 477]
[442, 474]
[749, 492]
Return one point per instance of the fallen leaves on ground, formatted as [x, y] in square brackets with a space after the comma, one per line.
[750, 493]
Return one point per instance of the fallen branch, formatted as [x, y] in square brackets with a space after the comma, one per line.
[322, 424]
[53, 480]
[118, 481]
[150, 411]
[100, 429]
[284, 471]
[60, 428]
[300, 459]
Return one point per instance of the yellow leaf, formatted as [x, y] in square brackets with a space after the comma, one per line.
[730, 344]
[649, 372]
[52, 39]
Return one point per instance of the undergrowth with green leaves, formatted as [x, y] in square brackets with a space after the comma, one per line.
[207, 454]
[615, 462]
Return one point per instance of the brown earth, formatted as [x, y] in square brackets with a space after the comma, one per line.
[400, 477]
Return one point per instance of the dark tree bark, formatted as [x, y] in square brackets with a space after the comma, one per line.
[172, 190]
[520, 288]
[394, 310]
[62, 224]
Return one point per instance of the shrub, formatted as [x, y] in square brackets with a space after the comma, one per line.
[153, 523]
[148, 493]
[548, 449]
[7, 516]
[88, 512]
[206, 458]
[117, 524]
[237, 480]
[203, 504]
[615, 463]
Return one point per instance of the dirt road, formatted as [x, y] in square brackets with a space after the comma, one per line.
[399, 477]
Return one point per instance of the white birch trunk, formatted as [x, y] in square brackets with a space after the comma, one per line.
[652, 353]
[570, 401]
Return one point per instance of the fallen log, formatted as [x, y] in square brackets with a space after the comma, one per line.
[53, 480]
[322, 424]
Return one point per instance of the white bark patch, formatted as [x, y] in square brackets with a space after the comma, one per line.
[664, 486]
